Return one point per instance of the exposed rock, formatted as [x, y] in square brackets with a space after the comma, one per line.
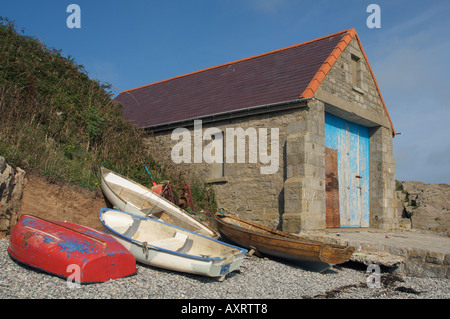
[424, 207]
[11, 189]
[381, 258]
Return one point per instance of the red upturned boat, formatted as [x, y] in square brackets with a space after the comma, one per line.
[69, 250]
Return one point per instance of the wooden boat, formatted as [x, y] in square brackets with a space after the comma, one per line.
[315, 255]
[69, 250]
[132, 197]
[163, 245]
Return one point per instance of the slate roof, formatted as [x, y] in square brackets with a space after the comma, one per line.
[286, 74]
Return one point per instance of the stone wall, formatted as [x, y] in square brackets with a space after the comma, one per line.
[382, 180]
[11, 188]
[291, 199]
[304, 191]
[243, 190]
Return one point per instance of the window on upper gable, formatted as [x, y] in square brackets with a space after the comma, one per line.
[356, 73]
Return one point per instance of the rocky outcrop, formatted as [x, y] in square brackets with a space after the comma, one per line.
[11, 189]
[424, 207]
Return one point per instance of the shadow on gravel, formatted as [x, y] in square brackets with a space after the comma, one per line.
[389, 282]
[321, 268]
[200, 278]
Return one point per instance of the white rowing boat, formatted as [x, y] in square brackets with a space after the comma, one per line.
[159, 244]
[132, 197]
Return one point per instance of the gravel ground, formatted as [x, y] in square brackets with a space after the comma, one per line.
[256, 279]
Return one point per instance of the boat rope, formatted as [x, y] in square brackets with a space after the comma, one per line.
[149, 211]
[145, 249]
[190, 211]
[219, 211]
[229, 219]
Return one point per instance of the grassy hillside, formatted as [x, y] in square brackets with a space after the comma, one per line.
[56, 119]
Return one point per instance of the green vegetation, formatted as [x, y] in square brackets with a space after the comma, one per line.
[399, 187]
[56, 119]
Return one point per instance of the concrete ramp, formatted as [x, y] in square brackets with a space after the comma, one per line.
[407, 252]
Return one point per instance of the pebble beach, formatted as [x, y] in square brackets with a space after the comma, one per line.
[257, 278]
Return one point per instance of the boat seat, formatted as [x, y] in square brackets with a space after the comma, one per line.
[132, 229]
[175, 243]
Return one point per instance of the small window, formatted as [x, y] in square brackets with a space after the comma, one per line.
[356, 78]
[218, 168]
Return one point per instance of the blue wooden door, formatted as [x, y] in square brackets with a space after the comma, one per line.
[351, 140]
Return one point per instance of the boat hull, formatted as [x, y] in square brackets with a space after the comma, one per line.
[315, 255]
[69, 250]
[198, 254]
[134, 198]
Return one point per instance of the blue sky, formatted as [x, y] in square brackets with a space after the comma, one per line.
[136, 42]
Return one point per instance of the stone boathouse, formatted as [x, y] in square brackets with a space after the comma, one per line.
[297, 139]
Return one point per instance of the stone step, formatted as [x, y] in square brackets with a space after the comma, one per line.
[408, 253]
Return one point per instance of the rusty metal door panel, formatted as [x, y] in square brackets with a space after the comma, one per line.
[351, 141]
[331, 189]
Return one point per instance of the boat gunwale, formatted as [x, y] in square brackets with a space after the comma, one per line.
[148, 190]
[103, 177]
[206, 228]
[134, 216]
